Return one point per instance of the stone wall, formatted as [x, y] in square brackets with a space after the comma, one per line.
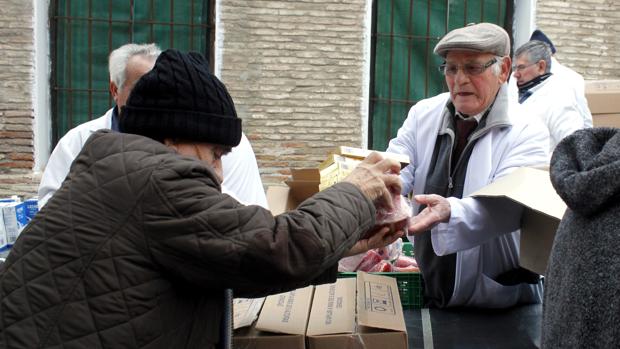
[16, 111]
[585, 34]
[295, 69]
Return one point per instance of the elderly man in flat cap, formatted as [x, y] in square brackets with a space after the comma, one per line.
[459, 142]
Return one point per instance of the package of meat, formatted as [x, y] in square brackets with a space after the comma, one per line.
[398, 217]
[407, 269]
[405, 261]
[391, 251]
[348, 264]
[370, 259]
[383, 266]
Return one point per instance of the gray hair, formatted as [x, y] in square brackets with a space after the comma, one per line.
[496, 68]
[536, 51]
[117, 63]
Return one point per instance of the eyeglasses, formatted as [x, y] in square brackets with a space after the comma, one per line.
[450, 69]
[516, 68]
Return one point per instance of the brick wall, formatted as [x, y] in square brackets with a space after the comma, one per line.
[585, 34]
[295, 71]
[16, 112]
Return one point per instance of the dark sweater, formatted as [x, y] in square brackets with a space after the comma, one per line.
[581, 307]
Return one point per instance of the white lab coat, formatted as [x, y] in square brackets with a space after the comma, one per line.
[241, 176]
[574, 81]
[553, 103]
[483, 234]
[570, 80]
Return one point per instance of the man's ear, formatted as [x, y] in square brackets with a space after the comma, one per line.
[543, 66]
[113, 91]
[505, 69]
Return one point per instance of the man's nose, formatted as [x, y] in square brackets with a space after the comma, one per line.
[460, 76]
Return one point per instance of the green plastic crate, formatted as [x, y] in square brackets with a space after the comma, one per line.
[410, 285]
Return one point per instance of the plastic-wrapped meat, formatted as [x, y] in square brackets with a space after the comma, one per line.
[398, 218]
[382, 266]
[407, 269]
[371, 258]
[348, 264]
[405, 261]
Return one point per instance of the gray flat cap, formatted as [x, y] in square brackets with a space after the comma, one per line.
[481, 37]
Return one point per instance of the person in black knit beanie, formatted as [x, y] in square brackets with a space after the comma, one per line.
[581, 307]
[181, 99]
[137, 247]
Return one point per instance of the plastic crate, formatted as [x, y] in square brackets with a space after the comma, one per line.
[410, 285]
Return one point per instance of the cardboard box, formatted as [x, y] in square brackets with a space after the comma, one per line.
[309, 181]
[604, 102]
[282, 322]
[372, 320]
[543, 211]
[358, 153]
[340, 315]
[303, 184]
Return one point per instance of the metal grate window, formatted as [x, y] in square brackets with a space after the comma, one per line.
[403, 67]
[83, 32]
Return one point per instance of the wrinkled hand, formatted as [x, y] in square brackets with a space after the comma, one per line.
[377, 178]
[437, 211]
[382, 237]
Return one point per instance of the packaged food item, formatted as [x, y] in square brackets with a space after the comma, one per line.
[398, 217]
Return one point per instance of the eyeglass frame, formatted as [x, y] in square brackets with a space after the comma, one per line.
[468, 66]
[521, 67]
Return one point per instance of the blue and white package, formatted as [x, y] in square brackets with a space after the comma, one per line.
[14, 214]
[3, 243]
[31, 207]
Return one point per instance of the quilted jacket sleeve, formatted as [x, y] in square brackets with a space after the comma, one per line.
[208, 239]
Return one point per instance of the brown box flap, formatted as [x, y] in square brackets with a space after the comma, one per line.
[543, 211]
[245, 311]
[358, 153]
[606, 120]
[333, 308]
[286, 312]
[378, 302]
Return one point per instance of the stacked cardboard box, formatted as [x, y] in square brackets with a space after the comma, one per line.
[363, 312]
[335, 168]
[604, 102]
[343, 160]
[309, 181]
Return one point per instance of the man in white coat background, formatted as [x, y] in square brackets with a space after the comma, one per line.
[570, 78]
[126, 65]
[543, 94]
[459, 142]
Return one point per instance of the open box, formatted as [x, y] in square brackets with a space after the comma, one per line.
[363, 312]
[543, 211]
[373, 319]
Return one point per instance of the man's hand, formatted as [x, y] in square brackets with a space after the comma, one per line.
[437, 211]
[382, 237]
[377, 178]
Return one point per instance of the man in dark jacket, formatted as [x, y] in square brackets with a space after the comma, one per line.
[137, 246]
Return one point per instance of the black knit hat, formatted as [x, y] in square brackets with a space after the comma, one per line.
[180, 99]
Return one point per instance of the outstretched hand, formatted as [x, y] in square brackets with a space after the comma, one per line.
[381, 238]
[377, 178]
[437, 211]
